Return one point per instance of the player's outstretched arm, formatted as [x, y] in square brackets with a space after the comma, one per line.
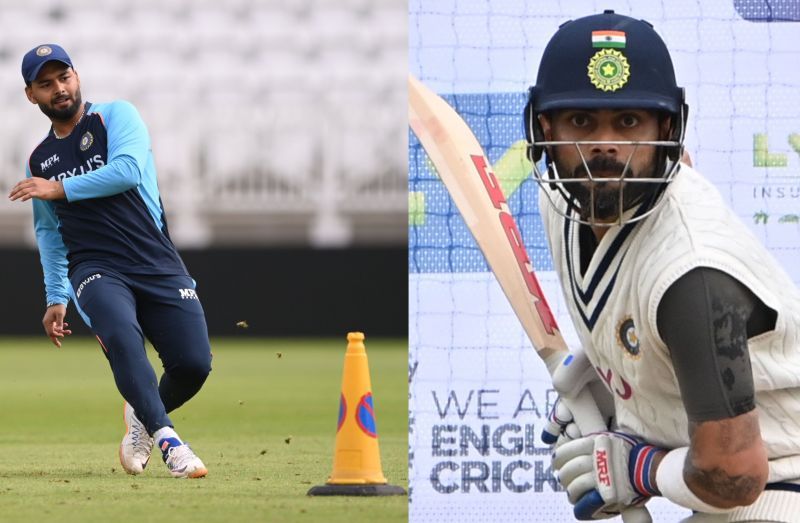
[54, 324]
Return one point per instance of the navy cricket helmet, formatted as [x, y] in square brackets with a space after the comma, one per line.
[605, 61]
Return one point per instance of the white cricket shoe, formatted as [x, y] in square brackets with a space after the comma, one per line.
[136, 446]
[181, 461]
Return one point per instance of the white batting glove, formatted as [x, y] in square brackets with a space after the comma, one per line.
[570, 379]
[605, 473]
[561, 426]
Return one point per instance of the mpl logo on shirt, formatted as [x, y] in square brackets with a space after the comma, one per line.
[49, 162]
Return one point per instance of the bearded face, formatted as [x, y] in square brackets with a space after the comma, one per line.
[598, 193]
[57, 91]
[62, 108]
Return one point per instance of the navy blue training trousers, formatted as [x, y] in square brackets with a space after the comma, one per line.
[123, 310]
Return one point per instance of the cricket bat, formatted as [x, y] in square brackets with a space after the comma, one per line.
[467, 174]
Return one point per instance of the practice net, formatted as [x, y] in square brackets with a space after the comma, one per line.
[477, 392]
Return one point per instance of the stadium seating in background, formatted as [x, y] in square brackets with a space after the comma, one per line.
[272, 122]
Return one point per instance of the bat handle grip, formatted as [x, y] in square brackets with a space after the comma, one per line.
[589, 419]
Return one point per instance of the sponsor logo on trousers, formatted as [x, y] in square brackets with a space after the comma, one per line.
[188, 294]
[84, 283]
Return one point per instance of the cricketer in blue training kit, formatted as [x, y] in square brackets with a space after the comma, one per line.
[103, 242]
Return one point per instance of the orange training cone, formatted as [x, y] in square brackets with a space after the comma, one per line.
[357, 459]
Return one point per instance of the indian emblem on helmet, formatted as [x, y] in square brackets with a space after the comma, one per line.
[609, 70]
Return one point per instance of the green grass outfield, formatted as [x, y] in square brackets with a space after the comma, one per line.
[264, 425]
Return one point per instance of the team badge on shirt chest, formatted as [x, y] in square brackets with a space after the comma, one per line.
[86, 141]
[627, 338]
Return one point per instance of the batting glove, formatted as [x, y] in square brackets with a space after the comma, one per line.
[606, 472]
[561, 426]
[573, 375]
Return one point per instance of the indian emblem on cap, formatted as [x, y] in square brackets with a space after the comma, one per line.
[86, 140]
[627, 338]
[43, 50]
[609, 70]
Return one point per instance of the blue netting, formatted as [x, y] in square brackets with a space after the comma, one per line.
[443, 243]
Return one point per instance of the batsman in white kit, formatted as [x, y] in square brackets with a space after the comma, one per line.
[690, 323]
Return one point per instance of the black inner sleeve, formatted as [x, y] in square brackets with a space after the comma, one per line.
[706, 318]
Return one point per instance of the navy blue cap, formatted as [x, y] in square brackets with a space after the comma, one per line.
[34, 59]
